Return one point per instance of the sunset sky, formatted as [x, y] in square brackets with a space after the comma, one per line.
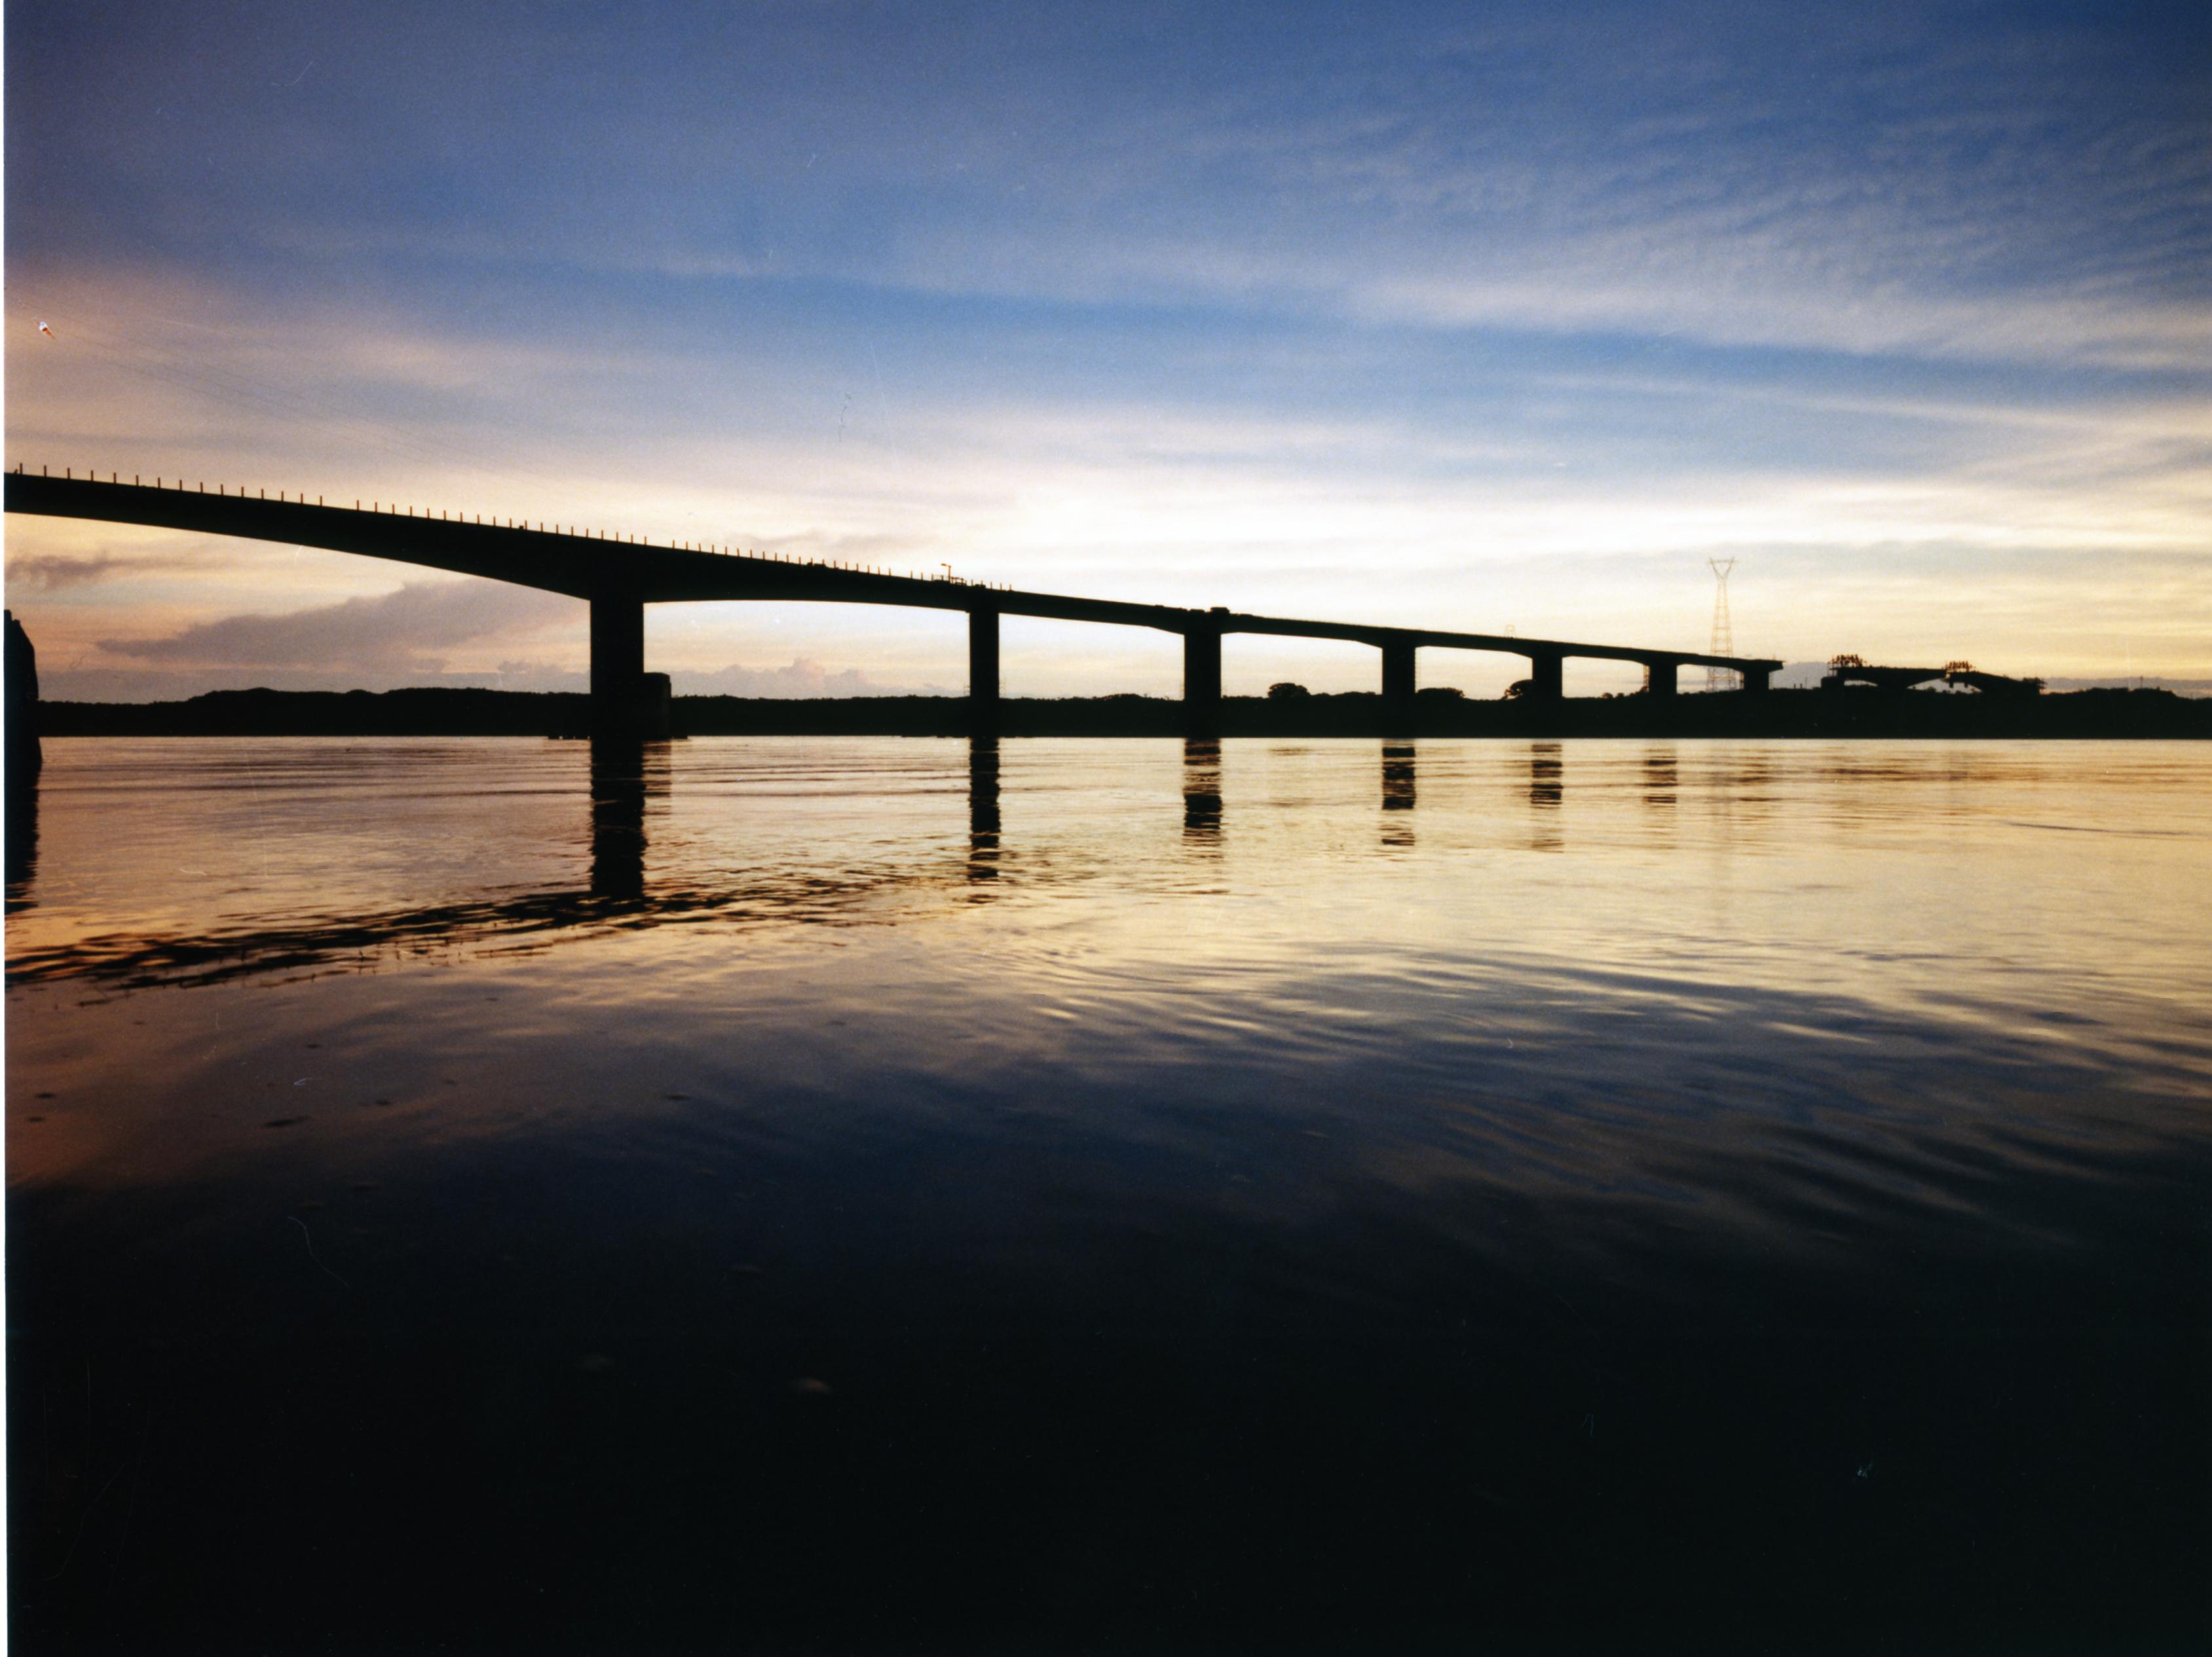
[1476, 316]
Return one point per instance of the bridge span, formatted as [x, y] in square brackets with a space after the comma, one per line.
[619, 575]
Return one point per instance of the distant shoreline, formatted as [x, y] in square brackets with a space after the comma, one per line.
[441, 711]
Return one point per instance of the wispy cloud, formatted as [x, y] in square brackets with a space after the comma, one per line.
[801, 678]
[1927, 183]
[54, 572]
[401, 630]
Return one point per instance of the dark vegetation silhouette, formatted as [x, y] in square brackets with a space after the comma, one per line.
[25, 756]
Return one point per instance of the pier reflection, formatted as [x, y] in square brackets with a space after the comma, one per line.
[1398, 792]
[1201, 793]
[23, 843]
[627, 855]
[983, 820]
[1546, 784]
[1547, 774]
[628, 781]
[625, 774]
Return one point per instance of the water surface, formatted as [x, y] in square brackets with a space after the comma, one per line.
[1326, 1193]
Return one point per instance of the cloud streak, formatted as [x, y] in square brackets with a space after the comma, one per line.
[403, 630]
[800, 677]
[56, 572]
[1928, 184]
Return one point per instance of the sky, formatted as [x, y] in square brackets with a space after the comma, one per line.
[1486, 318]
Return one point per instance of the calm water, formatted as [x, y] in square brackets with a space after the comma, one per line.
[1322, 1195]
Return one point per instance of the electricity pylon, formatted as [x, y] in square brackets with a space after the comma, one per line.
[1721, 678]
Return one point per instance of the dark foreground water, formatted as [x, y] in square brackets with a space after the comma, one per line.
[873, 1196]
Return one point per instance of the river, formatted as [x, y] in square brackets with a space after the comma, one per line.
[1276, 1195]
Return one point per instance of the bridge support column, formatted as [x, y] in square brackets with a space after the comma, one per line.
[1547, 677]
[1201, 684]
[983, 672]
[1398, 688]
[1754, 678]
[1659, 678]
[626, 701]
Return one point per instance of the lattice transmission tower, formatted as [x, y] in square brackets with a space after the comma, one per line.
[1721, 678]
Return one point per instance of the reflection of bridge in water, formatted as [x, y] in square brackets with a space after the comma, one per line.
[619, 575]
[627, 777]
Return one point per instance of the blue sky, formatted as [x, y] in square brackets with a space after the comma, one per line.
[1489, 317]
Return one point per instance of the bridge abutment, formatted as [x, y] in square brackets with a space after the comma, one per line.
[983, 671]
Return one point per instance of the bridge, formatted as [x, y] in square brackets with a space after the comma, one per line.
[618, 576]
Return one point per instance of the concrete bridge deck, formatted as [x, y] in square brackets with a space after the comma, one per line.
[619, 575]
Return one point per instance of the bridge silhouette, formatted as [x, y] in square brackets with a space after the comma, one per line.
[618, 576]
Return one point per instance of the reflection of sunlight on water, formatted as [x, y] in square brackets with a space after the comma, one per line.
[1827, 861]
[1734, 922]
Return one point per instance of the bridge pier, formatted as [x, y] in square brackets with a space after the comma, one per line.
[626, 701]
[1201, 684]
[1755, 678]
[1398, 687]
[983, 672]
[1547, 677]
[1659, 678]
